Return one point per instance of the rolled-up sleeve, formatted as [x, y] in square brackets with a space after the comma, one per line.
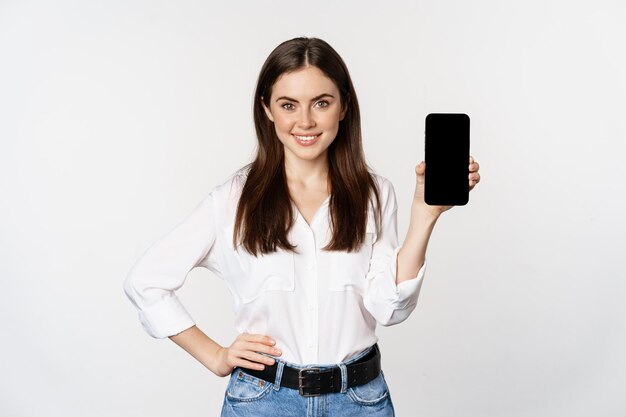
[152, 281]
[389, 303]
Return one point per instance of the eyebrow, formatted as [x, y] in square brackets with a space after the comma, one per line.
[313, 99]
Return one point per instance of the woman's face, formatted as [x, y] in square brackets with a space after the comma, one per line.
[305, 103]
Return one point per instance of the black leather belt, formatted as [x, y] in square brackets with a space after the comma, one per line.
[313, 381]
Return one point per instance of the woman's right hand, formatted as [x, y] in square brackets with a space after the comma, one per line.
[244, 352]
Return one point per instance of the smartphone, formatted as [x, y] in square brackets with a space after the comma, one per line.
[446, 153]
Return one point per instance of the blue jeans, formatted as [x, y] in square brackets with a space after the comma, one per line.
[249, 396]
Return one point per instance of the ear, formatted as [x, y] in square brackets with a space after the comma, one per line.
[267, 111]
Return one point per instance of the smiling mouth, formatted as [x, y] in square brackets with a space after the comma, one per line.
[306, 137]
[307, 140]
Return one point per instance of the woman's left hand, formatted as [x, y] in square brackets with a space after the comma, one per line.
[473, 177]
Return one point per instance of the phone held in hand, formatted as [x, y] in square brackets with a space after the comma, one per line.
[446, 153]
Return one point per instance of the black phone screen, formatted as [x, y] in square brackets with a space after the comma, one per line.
[446, 153]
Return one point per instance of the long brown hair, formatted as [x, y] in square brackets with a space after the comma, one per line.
[264, 212]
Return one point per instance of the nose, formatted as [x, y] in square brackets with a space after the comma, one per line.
[306, 118]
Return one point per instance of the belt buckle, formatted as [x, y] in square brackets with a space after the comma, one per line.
[301, 377]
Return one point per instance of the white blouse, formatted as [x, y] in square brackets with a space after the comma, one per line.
[320, 307]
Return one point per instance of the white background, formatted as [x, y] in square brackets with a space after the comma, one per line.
[116, 118]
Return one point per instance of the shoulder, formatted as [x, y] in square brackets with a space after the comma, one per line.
[383, 183]
[386, 191]
[233, 183]
[385, 186]
[227, 190]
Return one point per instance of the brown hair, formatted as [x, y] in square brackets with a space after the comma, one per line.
[264, 211]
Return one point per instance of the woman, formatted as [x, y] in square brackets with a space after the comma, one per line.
[305, 237]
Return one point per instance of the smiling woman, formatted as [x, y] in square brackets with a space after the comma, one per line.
[305, 237]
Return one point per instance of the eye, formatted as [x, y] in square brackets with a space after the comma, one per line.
[324, 101]
[286, 104]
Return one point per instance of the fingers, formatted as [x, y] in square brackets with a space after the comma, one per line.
[257, 359]
[258, 347]
[473, 166]
[474, 179]
[250, 365]
[474, 176]
[259, 338]
[249, 348]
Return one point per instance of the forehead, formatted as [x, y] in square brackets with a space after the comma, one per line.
[304, 83]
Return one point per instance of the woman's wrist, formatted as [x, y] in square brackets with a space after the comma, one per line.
[424, 212]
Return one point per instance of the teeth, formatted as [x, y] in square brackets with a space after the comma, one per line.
[306, 137]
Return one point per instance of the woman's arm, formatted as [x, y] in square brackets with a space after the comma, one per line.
[244, 351]
[413, 252]
[195, 342]
[154, 279]
[423, 218]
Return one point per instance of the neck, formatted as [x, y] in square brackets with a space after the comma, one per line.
[308, 174]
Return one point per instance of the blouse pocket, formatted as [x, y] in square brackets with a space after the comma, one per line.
[251, 276]
[349, 269]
